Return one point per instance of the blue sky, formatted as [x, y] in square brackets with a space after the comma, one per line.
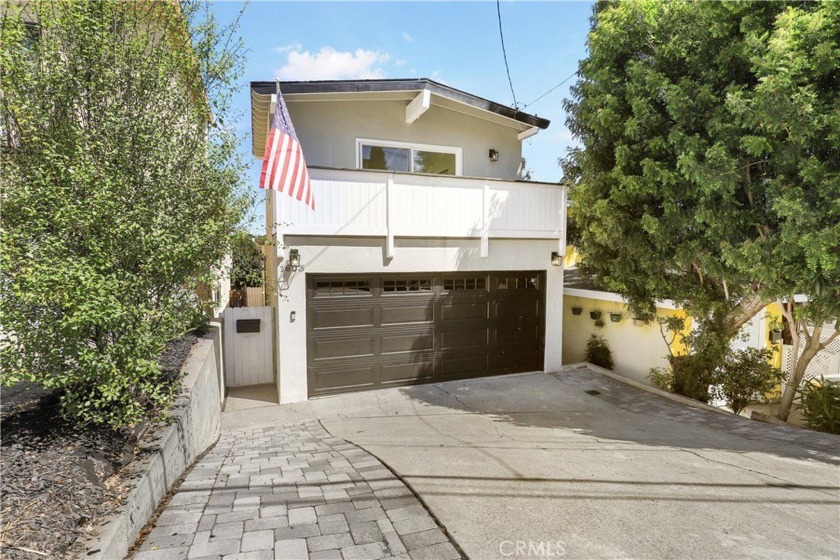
[456, 43]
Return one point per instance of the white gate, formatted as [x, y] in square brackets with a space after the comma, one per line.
[248, 351]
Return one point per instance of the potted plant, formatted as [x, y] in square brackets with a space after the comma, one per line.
[615, 317]
[577, 310]
[594, 315]
[775, 336]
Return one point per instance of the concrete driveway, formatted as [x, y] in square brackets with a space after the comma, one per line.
[534, 466]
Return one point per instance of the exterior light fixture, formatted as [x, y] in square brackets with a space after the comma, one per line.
[556, 259]
[294, 260]
[494, 155]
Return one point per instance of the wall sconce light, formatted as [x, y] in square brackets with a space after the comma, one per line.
[494, 155]
[294, 260]
[556, 259]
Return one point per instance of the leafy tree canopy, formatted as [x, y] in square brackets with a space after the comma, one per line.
[248, 265]
[710, 166]
[121, 188]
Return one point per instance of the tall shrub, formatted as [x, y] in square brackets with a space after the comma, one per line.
[819, 402]
[598, 352]
[121, 188]
[745, 375]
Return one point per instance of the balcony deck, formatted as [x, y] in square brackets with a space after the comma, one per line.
[362, 203]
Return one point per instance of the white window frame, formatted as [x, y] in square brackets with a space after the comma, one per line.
[458, 152]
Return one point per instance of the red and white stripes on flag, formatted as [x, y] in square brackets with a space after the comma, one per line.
[283, 166]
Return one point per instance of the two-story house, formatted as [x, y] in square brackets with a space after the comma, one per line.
[425, 259]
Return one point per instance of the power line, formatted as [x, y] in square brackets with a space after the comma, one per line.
[504, 53]
[572, 75]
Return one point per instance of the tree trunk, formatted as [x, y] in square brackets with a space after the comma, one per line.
[741, 314]
[718, 330]
[799, 366]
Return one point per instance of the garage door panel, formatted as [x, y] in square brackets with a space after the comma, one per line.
[526, 335]
[515, 363]
[344, 348]
[332, 318]
[462, 311]
[400, 314]
[328, 381]
[525, 307]
[408, 342]
[471, 363]
[464, 338]
[419, 369]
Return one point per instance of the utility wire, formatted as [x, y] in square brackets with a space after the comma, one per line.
[573, 74]
[504, 53]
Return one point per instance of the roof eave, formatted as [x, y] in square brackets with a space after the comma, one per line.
[357, 86]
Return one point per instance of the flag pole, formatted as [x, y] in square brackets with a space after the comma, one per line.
[278, 237]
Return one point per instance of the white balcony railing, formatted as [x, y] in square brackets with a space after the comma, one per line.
[381, 204]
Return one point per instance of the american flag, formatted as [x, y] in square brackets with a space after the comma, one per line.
[283, 167]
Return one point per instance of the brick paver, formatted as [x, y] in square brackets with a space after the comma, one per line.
[293, 492]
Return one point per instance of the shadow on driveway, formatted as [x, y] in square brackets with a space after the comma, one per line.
[614, 472]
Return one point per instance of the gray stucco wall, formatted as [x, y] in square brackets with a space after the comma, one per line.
[328, 131]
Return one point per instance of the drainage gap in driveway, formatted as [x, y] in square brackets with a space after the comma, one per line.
[592, 392]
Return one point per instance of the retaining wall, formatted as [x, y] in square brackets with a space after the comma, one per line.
[167, 451]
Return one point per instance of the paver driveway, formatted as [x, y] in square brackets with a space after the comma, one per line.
[531, 466]
[293, 492]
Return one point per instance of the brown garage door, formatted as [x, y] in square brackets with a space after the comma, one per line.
[370, 331]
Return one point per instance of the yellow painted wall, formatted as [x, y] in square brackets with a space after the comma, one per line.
[771, 314]
[635, 349]
[572, 257]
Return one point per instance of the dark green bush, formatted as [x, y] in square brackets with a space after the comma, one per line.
[819, 403]
[692, 376]
[745, 375]
[662, 378]
[598, 352]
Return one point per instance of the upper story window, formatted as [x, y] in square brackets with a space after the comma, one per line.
[408, 158]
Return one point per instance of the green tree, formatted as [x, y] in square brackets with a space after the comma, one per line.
[121, 189]
[793, 115]
[709, 168]
[248, 265]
